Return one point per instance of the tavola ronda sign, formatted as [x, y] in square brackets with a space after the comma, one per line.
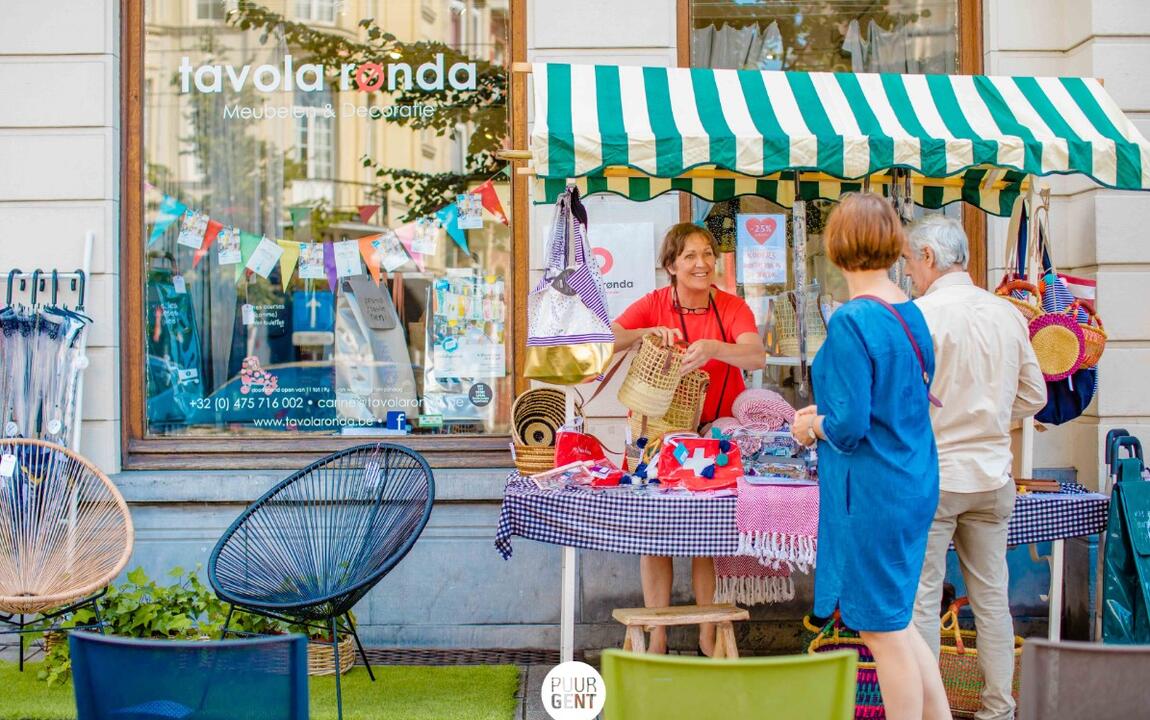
[431, 76]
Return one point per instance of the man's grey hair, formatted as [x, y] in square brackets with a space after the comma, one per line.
[945, 238]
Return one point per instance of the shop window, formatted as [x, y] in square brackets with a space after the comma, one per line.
[205, 10]
[316, 10]
[889, 36]
[306, 268]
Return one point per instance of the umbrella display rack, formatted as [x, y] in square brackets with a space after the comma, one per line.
[43, 344]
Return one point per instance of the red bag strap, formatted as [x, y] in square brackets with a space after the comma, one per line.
[913, 343]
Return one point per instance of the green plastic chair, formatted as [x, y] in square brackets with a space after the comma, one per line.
[790, 687]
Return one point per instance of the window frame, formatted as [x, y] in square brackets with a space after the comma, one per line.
[970, 62]
[139, 452]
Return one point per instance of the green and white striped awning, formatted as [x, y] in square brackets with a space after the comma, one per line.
[662, 123]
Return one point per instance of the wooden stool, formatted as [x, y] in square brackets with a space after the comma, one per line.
[636, 619]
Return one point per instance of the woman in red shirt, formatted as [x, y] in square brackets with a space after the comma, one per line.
[721, 338]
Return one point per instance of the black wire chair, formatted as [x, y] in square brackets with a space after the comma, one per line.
[317, 542]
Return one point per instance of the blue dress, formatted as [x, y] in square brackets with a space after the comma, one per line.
[878, 468]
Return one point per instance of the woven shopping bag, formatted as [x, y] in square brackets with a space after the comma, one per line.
[569, 337]
[958, 663]
[649, 386]
[836, 636]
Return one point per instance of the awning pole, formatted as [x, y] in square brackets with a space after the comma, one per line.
[799, 224]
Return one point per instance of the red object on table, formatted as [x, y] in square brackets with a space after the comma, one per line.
[571, 446]
[700, 452]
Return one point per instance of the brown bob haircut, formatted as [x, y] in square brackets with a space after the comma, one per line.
[676, 240]
[863, 233]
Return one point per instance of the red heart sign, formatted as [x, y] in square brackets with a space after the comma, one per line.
[761, 230]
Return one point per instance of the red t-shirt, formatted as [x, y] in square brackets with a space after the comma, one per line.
[730, 313]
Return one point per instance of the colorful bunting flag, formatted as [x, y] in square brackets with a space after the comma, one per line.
[299, 215]
[288, 261]
[491, 201]
[329, 265]
[366, 212]
[170, 211]
[370, 256]
[210, 236]
[406, 235]
[448, 217]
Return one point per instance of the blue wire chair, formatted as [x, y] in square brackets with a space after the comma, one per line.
[119, 678]
[316, 543]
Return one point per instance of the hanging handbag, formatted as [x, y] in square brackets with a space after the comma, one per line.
[569, 337]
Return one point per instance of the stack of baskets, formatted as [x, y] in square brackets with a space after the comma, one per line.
[536, 418]
[1063, 342]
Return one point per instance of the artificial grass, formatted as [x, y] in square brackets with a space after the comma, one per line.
[399, 692]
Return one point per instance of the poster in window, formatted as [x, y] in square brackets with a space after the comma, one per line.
[228, 247]
[264, 258]
[762, 248]
[389, 251]
[626, 256]
[347, 259]
[192, 229]
[470, 211]
[426, 238]
[311, 261]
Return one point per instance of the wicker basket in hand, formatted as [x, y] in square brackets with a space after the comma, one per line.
[652, 378]
[685, 411]
[958, 663]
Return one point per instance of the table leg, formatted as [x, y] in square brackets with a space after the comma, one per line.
[1057, 561]
[567, 607]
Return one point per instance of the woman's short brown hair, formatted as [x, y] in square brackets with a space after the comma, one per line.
[864, 233]
[676, 239]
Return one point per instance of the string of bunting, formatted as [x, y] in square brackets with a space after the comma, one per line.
[330, 260]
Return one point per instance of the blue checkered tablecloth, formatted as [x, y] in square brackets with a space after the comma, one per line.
[628, 520]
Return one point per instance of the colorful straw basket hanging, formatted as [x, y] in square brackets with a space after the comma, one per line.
[835, 636]
[1023, 296]
[1059, 344]
[1094, 334]
[649, 387]
[685, 411]
[958, 663]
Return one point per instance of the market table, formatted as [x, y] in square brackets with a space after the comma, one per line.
[638, 522]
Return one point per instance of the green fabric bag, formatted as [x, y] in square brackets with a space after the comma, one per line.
[1126, 584]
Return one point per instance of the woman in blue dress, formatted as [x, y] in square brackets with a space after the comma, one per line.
[878, 465]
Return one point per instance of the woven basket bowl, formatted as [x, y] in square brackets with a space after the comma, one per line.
[531, 459]
[1059, 345]
[652, 378]
[961, 675]
[537, 415]
[321, 657]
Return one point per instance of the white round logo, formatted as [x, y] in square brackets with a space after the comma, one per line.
[573, 691]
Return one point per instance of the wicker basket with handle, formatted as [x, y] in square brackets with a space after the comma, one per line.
[652, 378]
[1028, 304]
[958, 663]
[531, 459]
[685, 411]
[1094, 334]
[835, 636]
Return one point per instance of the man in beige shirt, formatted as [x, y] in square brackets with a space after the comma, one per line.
[987, 376]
